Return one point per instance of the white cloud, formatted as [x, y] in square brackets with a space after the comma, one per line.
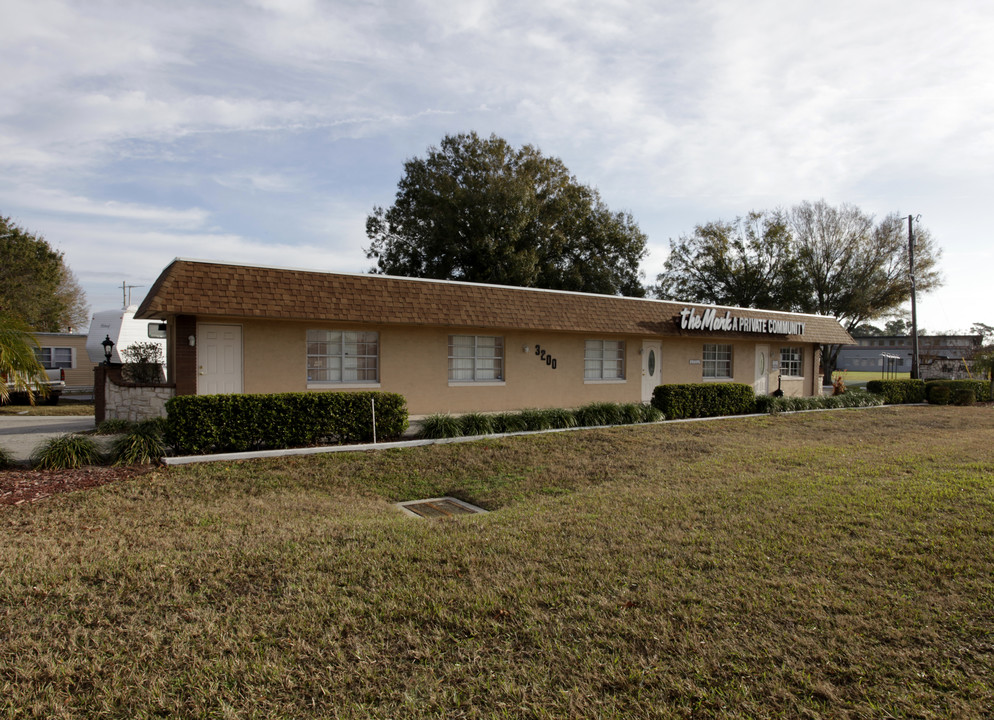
[45, 200]
[150, 125]
[261, 181]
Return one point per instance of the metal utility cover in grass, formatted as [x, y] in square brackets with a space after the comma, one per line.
[439, 507]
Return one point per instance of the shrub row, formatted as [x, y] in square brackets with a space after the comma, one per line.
[442, 425]
[958, 392]
[683, 401]
[849, 399]
[896, 392]
[937, 392]
[200, 424]
[690, 400]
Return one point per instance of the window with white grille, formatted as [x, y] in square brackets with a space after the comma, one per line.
[476, 358]
[604, 360]
[791, 361]
[343, 356]
[717, 361]
[53, 358]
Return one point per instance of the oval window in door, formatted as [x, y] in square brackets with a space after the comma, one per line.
[652, 363]
[762, 362]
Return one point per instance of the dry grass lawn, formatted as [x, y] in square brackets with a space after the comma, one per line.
[825, 565]
[65, 408]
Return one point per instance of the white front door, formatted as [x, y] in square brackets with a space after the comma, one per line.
[650, 368]
[219, 359]
[762, 384]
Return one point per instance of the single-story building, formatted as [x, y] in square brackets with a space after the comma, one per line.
[457, 347]
[66, 351]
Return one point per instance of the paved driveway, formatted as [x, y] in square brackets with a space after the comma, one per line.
[20, 434]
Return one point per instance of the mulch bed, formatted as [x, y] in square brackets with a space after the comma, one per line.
[19, 486]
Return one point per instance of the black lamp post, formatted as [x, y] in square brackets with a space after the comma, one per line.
[108, 349]
[779, 391]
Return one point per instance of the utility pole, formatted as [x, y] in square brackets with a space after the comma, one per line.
[126, 293]
[915, 371]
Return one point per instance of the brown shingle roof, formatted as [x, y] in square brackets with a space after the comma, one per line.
[196, 287]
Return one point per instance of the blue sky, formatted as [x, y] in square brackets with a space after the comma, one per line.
[265, 131]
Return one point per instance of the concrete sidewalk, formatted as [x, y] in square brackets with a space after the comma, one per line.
[21, 434]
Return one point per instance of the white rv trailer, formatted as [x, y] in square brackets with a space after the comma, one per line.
[122, 328]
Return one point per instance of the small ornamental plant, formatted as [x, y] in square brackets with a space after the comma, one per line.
[651, 414]
[476, 424]
[440, 425]
[560, 418]
[142, 445]
[6, 459]
[65, 452]
[143, 363]
[599, 413]
[536, 419]
[114, 426]
[509, 422]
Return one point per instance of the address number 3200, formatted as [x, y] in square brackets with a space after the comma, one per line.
[541, 354]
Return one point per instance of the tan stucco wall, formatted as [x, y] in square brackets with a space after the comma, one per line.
[82, 373]
[682, 360]
[413, 362]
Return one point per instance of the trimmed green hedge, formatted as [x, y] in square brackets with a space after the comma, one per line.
[199, 424]
[896, 392]
[935, 394]
[692, 400]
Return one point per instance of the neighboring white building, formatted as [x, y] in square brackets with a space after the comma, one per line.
[939, 356]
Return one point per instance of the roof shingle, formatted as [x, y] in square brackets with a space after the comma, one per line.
[197, 287]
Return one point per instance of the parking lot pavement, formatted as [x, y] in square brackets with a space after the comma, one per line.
[21, 434]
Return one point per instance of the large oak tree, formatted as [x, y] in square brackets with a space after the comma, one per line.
[483, 211]
[38, 292]
[36, 286]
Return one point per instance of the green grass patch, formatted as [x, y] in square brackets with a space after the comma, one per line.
[818, 565]
[64, 409]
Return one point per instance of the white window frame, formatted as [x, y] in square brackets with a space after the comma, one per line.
[716, 361]
[52, 363]
[352, 358]
[481, 355]
[791, 360]
[604, 361]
